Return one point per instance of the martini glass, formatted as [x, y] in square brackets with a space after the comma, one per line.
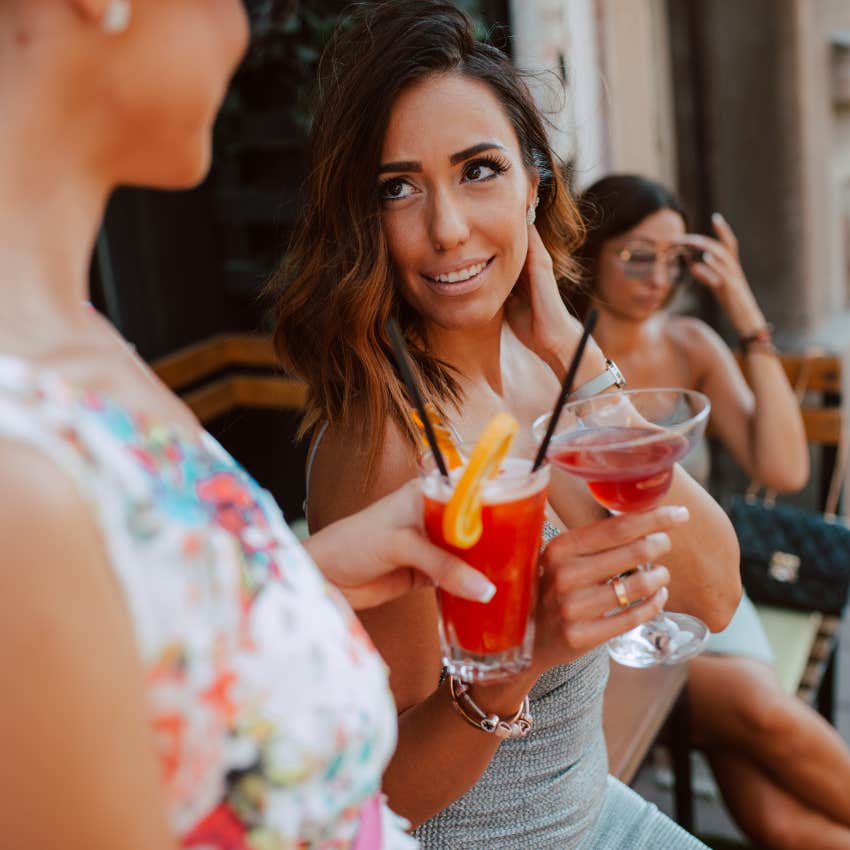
[624, 445]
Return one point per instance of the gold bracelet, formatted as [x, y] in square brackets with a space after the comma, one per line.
[517, 726]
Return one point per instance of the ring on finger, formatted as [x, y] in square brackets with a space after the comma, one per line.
[620, 591]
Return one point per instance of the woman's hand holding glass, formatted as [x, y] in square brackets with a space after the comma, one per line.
[578, 608]
[382, 552]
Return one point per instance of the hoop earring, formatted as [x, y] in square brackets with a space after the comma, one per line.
[116, 17]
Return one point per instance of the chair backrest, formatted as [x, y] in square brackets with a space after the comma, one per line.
[821, 408]
[229, 371]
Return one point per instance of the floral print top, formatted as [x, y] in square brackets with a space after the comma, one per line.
[271, 710]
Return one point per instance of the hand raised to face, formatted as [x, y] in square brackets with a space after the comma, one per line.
[719, 268]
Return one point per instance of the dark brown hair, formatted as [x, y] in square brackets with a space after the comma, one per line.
[336, 284]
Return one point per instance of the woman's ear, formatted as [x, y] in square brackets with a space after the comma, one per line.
[534, 186]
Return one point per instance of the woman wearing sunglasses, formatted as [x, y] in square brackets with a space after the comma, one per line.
[783, 771]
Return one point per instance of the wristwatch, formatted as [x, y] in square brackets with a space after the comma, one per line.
[611, 377]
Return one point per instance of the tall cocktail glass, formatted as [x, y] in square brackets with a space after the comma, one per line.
[624, 445]
[494, 640]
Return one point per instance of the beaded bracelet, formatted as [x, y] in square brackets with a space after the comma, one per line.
[517, 726]
[762, 339]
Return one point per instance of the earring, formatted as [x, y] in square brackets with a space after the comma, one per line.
[531, 215]
[116, 17]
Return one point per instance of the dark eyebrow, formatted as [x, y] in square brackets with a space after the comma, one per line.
[454, 159]
[460, 156]
[397, 167]
[638, 238]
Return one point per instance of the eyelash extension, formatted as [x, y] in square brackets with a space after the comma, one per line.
[382, 186]
[497, 163]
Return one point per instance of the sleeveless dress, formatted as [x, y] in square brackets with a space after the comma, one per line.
[271, 711]
[551, 790]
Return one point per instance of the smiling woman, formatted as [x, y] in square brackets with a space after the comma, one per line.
[430, 210]
[434, 199]
[491, 156]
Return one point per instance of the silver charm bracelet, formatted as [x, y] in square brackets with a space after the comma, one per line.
[517, 726]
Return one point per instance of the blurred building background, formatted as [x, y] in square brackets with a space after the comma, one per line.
[744, 107]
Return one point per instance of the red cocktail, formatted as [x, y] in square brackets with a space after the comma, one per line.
[626, 468]
[485, 641]
[625, 446]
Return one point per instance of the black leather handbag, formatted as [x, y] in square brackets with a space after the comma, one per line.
[792, 558]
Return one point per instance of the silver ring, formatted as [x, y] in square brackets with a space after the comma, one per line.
[620, 591]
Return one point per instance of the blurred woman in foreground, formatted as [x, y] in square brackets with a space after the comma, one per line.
[176, 671]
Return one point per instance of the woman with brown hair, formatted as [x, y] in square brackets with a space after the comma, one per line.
[782, 769]
[434, 198]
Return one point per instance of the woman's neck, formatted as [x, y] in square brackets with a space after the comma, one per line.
[476, 353]
[50, 212]
[618, 336]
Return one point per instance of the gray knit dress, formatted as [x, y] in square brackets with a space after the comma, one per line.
[551, 790]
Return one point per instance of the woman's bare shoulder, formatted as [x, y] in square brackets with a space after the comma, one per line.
[706, 352]
[694, 338]
[66, 639]
[344, 479]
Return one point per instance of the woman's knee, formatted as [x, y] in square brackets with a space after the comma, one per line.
[736, 698]
[778, 829]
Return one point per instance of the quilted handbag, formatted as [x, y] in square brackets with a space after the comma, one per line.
[792, 558]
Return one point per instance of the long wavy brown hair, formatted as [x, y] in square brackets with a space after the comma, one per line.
[336, 288]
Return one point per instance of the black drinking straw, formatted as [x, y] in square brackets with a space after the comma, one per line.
[566, 388]
[403, 362]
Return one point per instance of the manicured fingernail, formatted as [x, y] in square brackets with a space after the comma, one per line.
[478, 586]
[715, 216]
[659, 542]
[678, 513]
[663, 594]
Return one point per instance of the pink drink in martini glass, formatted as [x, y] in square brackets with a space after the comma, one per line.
[625, 445]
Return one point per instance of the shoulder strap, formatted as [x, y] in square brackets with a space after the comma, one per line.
[311, 457]
[23, 425]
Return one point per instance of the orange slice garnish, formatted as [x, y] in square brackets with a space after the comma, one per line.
[445, 441]
[462, 525]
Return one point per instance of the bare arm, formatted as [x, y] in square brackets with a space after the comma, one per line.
[757, 418]
[77, 743]
[759, 423]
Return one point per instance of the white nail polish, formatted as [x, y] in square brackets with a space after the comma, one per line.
[479, 586]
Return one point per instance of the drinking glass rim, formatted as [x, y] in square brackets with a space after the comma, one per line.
[538, 426]
[528, 477]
